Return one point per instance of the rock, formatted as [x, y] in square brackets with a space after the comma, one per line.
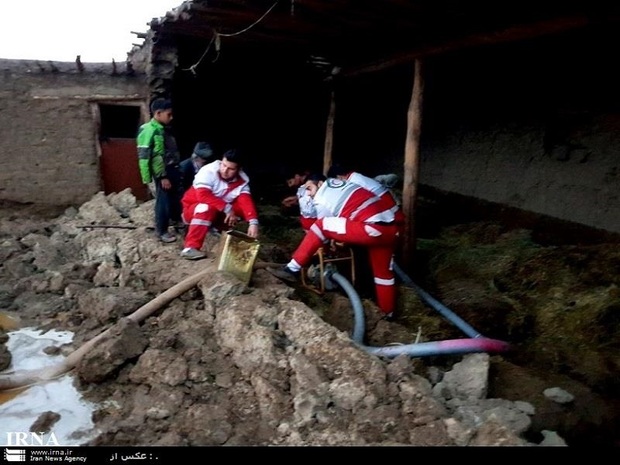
[559, 395]
[45, 422]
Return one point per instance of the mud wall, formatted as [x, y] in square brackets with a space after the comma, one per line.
[533, 125]
[576, 181]
[48, 127]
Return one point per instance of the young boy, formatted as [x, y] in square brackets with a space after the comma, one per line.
[158, 160]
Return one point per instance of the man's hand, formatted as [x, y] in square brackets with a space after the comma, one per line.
[230, 220]
[253, 231]
[165, 184]
[333, 245]
[290, 201]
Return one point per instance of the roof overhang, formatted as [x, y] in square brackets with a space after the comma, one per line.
[358, 36]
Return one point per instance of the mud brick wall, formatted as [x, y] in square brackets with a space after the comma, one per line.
[523, 126]
[577, 180]
[48, 130]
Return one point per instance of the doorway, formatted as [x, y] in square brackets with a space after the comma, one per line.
[118, 127]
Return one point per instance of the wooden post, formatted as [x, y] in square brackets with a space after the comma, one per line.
[329, 135]
[412, 165]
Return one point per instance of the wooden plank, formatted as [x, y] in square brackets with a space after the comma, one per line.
[412, 166]
[521, 32]
[329, 134]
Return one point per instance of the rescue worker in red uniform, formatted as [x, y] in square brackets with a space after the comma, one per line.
[351, 214]
[219, 196]
[374, 186]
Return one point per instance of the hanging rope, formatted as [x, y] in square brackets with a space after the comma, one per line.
[217, 35]
[253, 24]
[195, 65]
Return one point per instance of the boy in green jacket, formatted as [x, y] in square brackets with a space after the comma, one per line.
[158, 159]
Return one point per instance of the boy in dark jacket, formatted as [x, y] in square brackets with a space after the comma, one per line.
[202, 154]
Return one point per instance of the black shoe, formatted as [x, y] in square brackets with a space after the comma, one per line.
[389, 316]
[167, 237]
[285, 274]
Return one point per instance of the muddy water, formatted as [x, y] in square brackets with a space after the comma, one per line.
[20, 408]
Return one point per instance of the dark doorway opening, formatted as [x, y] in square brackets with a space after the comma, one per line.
[119, 125]
[119, 121]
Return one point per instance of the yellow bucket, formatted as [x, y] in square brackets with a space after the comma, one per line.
[237, 253]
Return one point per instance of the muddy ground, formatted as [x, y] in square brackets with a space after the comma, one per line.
[225, 363]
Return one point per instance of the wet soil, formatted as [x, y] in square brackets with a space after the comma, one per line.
[554, 297]
[550, 288]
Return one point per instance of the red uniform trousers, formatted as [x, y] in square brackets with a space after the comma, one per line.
[201, 217]
[380, 239]
[306, 222]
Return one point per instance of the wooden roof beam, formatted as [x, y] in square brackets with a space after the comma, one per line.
[512, 34]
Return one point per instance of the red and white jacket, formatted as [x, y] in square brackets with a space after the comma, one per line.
[344, 199]
[209, 188]
[379, 190]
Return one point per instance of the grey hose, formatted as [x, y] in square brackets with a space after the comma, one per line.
[358, 308]
[430, 300]
[445, 347]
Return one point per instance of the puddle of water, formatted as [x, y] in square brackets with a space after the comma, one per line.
[20, 408]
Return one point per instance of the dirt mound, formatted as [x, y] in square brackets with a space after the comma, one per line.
[225, 363]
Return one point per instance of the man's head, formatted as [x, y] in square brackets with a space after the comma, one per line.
[295, 180]
[161, 109]
[313, 183]
[296, 177]
[230, 165]
[339, 171]
[203, 153]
